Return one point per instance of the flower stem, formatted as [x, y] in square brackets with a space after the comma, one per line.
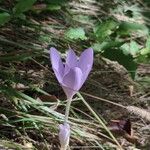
[67, 110]
[66, 118]
[63, 148]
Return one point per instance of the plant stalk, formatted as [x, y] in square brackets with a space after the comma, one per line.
[67, 110]
[64, 147]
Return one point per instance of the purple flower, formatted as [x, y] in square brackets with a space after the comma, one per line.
[64, 135]
[73, 73]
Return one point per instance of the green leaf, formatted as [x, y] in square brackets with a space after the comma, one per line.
[143, 59]
[144, 55]
[148, 43]
[134, 48]
[125, 48]
[53, 7]
[76, 33]
[126, 60]
[97, 47]
[100, 47]
[104, 29]
[4, 18]
[23, 6]
[145, 51]
[21, 16]
[130, 48]
[127, 28]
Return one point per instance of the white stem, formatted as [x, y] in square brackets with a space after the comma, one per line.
[67, 110]
[63, 148]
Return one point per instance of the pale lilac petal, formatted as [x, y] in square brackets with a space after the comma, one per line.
[64, 134]
[57, 63]
[66, 70]
[86, 62]
[71, 59]
[69, 92]
[72, 81]
[73, 78]
[73, 74]
[58, 75]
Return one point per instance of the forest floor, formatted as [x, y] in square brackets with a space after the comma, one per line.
[33, 103]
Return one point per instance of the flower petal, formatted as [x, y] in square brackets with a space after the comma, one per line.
[66, 70]
[71, 59]
[64, 134]
[72, 82]
[57, 63]
[86, 62]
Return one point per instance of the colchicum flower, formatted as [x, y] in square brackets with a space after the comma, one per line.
[73, 73]
[64, 135]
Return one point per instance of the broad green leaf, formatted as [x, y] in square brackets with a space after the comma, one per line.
[127, 28]
[97, 47]
[4, 18]
[130, 48]
[100, 47]
[134, 48]
[145, 51]
[143, 59]
[21, 16]
[144, 55]
[126, 60]
[125, 48]
[22, 6]
[104, 29]
[76, 33]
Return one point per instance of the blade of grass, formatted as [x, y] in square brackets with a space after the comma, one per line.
[104, 100]
[100, 121]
